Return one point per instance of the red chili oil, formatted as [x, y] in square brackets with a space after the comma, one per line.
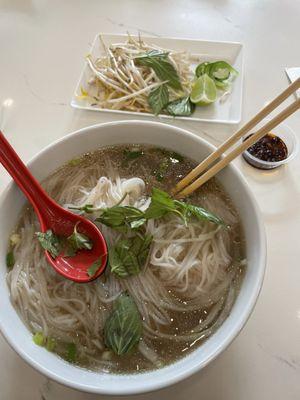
[270, 148]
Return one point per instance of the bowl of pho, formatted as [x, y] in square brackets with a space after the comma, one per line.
[183, 275]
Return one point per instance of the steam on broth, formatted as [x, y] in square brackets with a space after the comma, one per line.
[185, 289]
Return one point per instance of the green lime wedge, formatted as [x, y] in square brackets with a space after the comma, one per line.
[204, 91]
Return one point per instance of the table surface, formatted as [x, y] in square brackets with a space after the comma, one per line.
[42, 44]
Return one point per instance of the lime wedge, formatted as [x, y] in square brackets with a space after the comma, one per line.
[204, 91]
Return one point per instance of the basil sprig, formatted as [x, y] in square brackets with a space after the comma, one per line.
[162, 204]
[50, 242]
[123, 328]
[123, 218]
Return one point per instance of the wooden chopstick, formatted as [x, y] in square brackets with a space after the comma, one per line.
[239, 149]
[234, 138]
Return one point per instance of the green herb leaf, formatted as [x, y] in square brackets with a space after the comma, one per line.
[50, 242]
[161, 204]
[74, 162]
[143, 249]
[122, 261]
[180, 107]
[10, 259]
[123, 328]
[39, 338]
[189, 211]
[14, 239]
[92, 270]
[128, 256]
[158, 98]
[79, 241]
[122, 217]
[71, 352]
[50, 344]
[161, 66]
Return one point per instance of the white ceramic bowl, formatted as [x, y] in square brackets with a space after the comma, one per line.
[132, 132]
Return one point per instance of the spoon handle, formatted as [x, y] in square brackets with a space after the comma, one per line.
[22, 176]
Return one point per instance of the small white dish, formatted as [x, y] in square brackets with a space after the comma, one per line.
[176, 139]
[227, 110]
[291, 141]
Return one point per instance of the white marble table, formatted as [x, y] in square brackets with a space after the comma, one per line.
[42, 44]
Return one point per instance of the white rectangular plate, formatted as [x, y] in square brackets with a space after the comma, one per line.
[227, 112]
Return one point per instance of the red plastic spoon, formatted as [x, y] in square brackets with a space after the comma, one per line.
[60, 221]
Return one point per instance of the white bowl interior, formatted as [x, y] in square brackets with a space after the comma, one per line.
[132, 132]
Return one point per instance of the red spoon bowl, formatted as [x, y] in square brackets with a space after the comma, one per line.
[54, 217]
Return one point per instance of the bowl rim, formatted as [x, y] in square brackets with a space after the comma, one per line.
[235, 330]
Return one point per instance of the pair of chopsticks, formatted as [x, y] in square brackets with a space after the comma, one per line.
[189, 183]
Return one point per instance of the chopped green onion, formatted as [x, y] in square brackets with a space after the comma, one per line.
[14, 239]
[50, 344]
[74, 162]
[10, 259]
[71, 352]
[39, 338]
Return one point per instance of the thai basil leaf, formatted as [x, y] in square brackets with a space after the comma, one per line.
[158, 98]
[122, 217]
[79, 241]
[161, 66]
[50, 242]
[144, 248]
[161, 204]
[188, 211]
[180, 107]
[128, 256]
[92, 270]
[123, 328]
